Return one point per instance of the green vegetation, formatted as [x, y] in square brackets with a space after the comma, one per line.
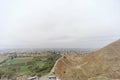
[39, 65]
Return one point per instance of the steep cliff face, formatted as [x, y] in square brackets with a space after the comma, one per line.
[102, 64]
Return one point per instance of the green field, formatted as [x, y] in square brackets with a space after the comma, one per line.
[30, 66]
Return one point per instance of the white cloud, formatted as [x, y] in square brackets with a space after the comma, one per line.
[45, 22]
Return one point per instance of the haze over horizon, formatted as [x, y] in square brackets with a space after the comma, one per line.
[58, 23]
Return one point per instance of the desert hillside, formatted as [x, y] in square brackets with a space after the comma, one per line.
[103, 64]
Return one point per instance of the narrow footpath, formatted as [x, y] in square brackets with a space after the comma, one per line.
[51, 72]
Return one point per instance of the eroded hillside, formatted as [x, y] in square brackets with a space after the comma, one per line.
[103, 64]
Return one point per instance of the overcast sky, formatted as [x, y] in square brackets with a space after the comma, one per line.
[58, 23]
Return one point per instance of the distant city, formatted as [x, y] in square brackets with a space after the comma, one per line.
[77, 50]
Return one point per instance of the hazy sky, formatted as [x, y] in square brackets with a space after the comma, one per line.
[58, 23]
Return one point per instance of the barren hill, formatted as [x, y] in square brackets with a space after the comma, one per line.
[103, 64]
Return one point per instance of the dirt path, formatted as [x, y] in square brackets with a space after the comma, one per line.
[51, 72]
